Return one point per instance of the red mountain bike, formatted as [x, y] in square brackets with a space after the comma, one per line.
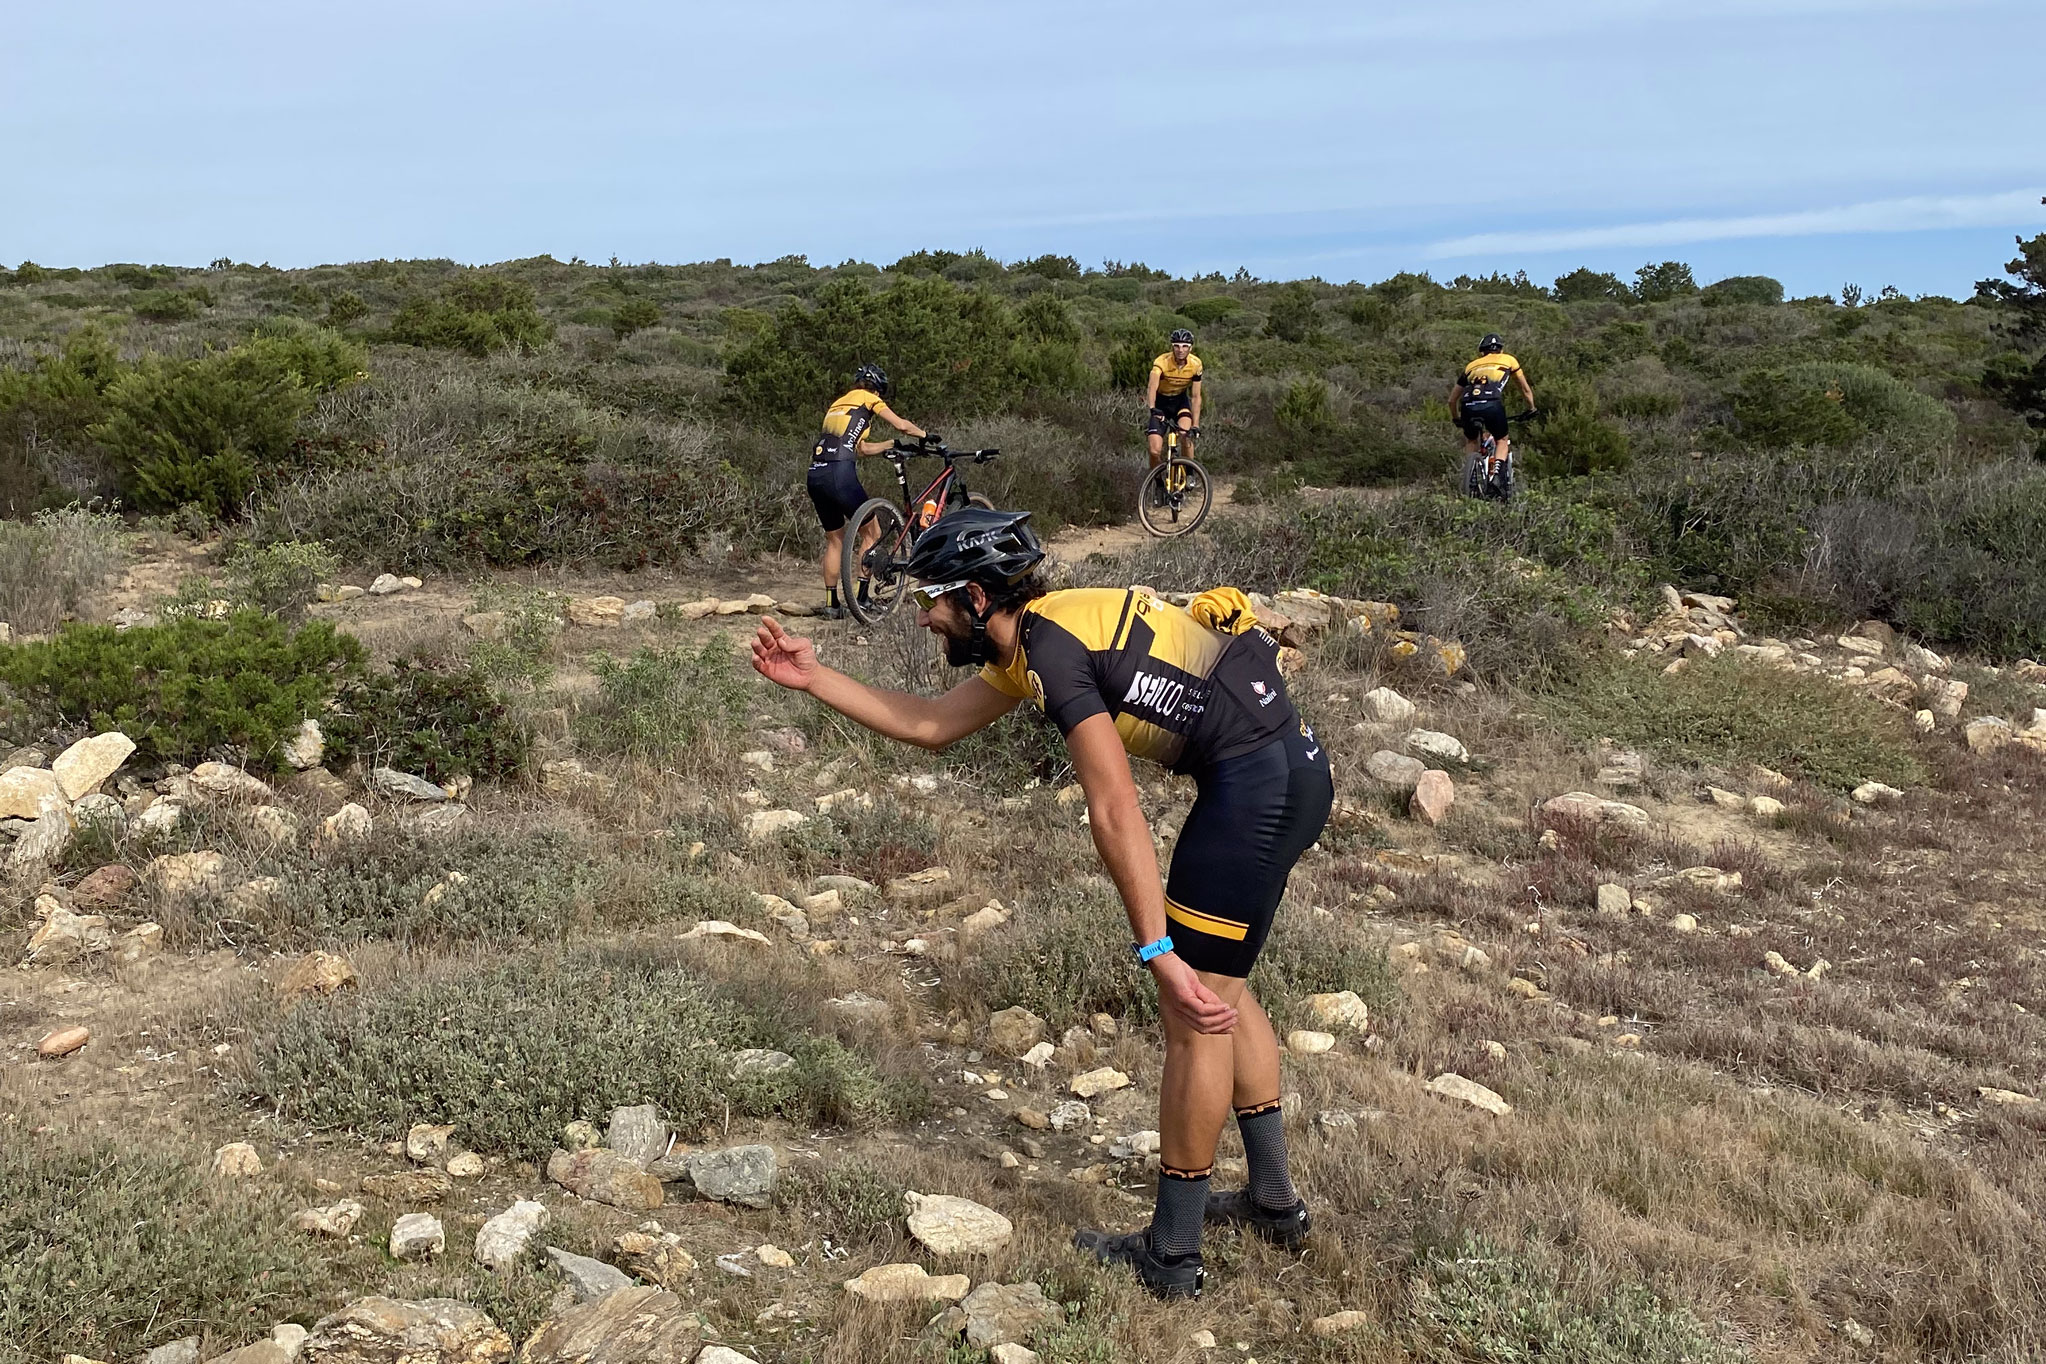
[882, 532]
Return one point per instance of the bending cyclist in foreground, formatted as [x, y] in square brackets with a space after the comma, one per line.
[1123, 674]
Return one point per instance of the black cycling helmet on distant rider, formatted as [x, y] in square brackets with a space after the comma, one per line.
[1492, 344]
[1181, 337]
[872, 379]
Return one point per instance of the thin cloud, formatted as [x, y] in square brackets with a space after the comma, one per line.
[1919, 214]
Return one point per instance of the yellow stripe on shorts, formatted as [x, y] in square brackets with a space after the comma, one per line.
[1205, 923]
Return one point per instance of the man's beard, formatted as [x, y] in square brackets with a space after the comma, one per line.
[963, 653]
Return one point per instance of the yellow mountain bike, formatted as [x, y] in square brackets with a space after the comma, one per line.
[1176, 495]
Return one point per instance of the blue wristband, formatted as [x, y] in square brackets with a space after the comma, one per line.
[1146, 951]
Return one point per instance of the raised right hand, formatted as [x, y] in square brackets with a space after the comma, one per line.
[782, 658]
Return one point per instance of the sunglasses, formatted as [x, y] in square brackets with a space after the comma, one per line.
[927, 598]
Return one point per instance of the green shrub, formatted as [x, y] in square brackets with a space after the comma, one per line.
[1954, 559]
[946, 350]
[1309, 956]
[636, 315]
[1291, 315]
[480, 887]
[1478, 1302]
[519, 649]
[1585, 285]
[165, 305]
[583, 1033]
[187, 687]
[115, 1247]
[475, 313]
[345, 308]
[1836, 404]
[1064, 956]
[202, 431]
[855, 1201]
[1304, 411]
[434, 718]
[662, 703]
[1728, 713]
[282, 578]
[48, 565]
[1657, 283]
[1758, 290]
[1206, 312]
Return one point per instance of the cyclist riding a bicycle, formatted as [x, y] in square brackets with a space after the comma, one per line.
[1198, 690]
[835, 489]
[1477, 400]
[1174, 396]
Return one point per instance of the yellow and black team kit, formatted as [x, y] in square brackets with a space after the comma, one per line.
[1483, 405]
[1175, 388]
[834, 482]
[1201, 702]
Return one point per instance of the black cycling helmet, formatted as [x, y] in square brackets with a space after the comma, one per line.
[976, 545]
[871, 378]
[1492, 344]
[1181, 336]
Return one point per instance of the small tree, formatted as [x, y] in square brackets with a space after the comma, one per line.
[1743, 289]
[1671, 279]
[2017, 377]
[1585, 285]
[1291, 317]
[635, 315]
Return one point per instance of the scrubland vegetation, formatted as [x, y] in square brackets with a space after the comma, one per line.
[1778, 1104]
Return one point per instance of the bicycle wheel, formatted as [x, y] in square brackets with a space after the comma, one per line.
[883, 564]
[976, 500]
[1175, 498]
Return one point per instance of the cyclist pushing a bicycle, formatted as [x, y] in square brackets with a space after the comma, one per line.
[1477, 400]
[1174, 396]
[835, 489]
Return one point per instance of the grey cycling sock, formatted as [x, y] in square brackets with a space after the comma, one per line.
[1264, 1150]
[1182, 1206]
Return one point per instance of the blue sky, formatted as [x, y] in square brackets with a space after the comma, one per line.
[1821, 141]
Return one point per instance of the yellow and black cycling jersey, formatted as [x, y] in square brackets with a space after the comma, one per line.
[1174, 378]
[1181, 694]
[1484, 379]
[845, 425]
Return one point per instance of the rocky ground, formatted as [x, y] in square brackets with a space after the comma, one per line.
[1765, 1044]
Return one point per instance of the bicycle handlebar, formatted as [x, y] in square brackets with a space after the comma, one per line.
[905, 448]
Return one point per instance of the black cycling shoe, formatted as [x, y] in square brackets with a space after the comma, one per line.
[831, 612]
[1167, 1276]
[1286, 1229]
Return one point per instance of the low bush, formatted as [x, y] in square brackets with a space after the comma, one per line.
[635, 315]
[946, 350]
[202, 431]
[520, 649]
[282, 579]
[114, 1248]
[188, 687]
[50, 564]
[856, 1202]
[583, 1033]
[165, 305]
[490, 887]
[1311, 956]
[1064, 956]
[1730, 714]
[1838, 403]
[477, 314]
[660, 704]
[436, 718]
[1475, 1301]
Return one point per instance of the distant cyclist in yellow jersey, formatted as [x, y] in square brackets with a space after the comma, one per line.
[1477, 400]
[835, 489]
[1174, 396]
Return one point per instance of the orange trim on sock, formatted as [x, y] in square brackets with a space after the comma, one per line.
[1255, 1109]
[1168, 1172]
